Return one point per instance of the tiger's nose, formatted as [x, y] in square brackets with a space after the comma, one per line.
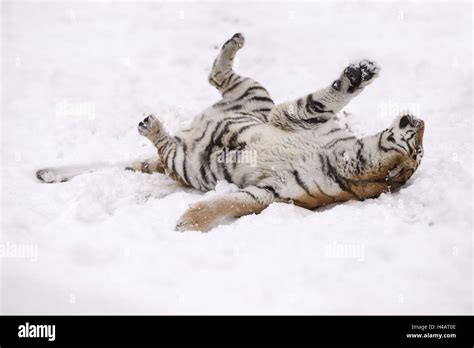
[419, 123]
[420, 130]
[416, 122]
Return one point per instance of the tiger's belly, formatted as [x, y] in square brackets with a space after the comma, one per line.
[247, 152]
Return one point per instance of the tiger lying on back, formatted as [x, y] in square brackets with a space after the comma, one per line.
[299, 151]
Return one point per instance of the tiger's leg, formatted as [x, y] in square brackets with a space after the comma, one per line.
[66, 173]
[172, 150]
[149, 166]
[236, 90]
[222, 75]
[323, 104]
[202, 215]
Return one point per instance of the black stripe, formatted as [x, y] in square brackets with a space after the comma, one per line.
[202, 171]
[216, 140]
[206, 155]
[361, 161]
[323, 164]
[233, 139]
[334, 142]
[380, 146]
[245, 116]
[313, 106]
[300, 182]
[185, 171]
[352, 89]
[269, 189]
[251, 195]
[223, 102]
[215, 83]
[233, 108]
[227, 175]
[262, 110]
[322, 192]
[392, 140]
[333, 131]
[386, 149]
[291, 118]
[173, 161]
[198, 139]
[250, 89]
[230, 80]
[250, 115]
[254, 116]
[226, 43]
[214, 178]
[262, 99]
[339, 180]
[166, 153]
[233, 87]
[229, 122]
[162, 142]
[410, 149]
[411, 136]
[315, 120]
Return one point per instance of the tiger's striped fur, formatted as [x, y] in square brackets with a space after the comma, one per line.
[301, 153]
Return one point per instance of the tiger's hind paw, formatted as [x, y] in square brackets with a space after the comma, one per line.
[48, 176]
[236, 42]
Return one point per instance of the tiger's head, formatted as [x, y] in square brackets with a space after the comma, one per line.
[405, 136]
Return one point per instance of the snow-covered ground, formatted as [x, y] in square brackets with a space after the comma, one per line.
[76, 80]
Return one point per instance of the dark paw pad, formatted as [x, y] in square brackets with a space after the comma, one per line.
[361, 74]
[146, 121]
[354, 75]
[149, 126]
[368, 69]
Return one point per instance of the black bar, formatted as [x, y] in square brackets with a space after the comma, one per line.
[194, 330]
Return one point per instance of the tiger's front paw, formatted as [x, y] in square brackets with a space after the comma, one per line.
[196, 218]
[357, 76]
[149, 127]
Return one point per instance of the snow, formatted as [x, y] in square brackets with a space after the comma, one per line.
[76, 80]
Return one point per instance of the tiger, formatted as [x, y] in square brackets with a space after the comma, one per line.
[295, 152]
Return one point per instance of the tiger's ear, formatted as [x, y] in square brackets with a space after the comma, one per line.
[407, 121]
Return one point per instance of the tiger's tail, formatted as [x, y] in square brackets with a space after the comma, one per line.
[66, 173]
